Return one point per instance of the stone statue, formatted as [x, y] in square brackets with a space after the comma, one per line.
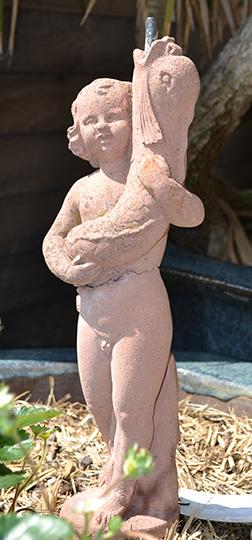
[108, 240]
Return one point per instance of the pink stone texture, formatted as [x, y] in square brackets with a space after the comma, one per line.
[108, 240]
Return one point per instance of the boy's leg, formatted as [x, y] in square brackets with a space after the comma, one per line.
[94, 361]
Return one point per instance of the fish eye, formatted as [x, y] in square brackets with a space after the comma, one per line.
[165, 78]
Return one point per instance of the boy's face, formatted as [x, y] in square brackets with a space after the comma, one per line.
[105, 125]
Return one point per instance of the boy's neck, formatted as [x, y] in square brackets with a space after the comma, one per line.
[116, 169]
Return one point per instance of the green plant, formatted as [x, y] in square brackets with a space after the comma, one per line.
[34, 527]
[16, 444]
[138, 462]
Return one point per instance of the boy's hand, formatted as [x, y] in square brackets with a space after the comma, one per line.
[81, 273]
[152, 171]
[72, 241]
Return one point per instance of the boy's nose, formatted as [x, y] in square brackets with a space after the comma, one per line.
[101, 124]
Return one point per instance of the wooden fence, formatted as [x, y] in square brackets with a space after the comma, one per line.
[54, 58]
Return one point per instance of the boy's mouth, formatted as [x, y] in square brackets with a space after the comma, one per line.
[104, 139]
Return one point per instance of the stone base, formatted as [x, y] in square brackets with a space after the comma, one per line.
[147, 524]
[141, 523]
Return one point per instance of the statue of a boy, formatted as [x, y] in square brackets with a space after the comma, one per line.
[108, 240]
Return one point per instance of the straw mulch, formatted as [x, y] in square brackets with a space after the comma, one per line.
[215, 454]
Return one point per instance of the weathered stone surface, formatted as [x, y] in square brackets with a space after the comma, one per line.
[108, 239]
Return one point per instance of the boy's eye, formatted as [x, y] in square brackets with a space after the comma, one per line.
[89, 120]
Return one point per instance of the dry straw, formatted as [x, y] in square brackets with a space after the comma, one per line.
[214, 454]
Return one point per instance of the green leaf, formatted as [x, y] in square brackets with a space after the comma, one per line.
[6, 397]
[114, 525]
[34, 527]
[21, 435]
[99, 535]
[27, 416]
[7, 421]
[15, 452]
[41, 431]
[4, 470]
[7, 424]
[8, 478]
[11, 480]
[138, 462]
[6, 441]
[6, 523]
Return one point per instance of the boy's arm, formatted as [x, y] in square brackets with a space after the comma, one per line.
[56, 257]
[139, 219]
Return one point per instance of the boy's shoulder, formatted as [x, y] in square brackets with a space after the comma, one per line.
[81, 183]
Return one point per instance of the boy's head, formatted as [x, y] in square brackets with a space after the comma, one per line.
[102, 120]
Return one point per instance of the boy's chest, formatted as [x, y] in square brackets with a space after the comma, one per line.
[97, 201]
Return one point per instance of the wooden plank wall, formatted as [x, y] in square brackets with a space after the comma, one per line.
[53, 59]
